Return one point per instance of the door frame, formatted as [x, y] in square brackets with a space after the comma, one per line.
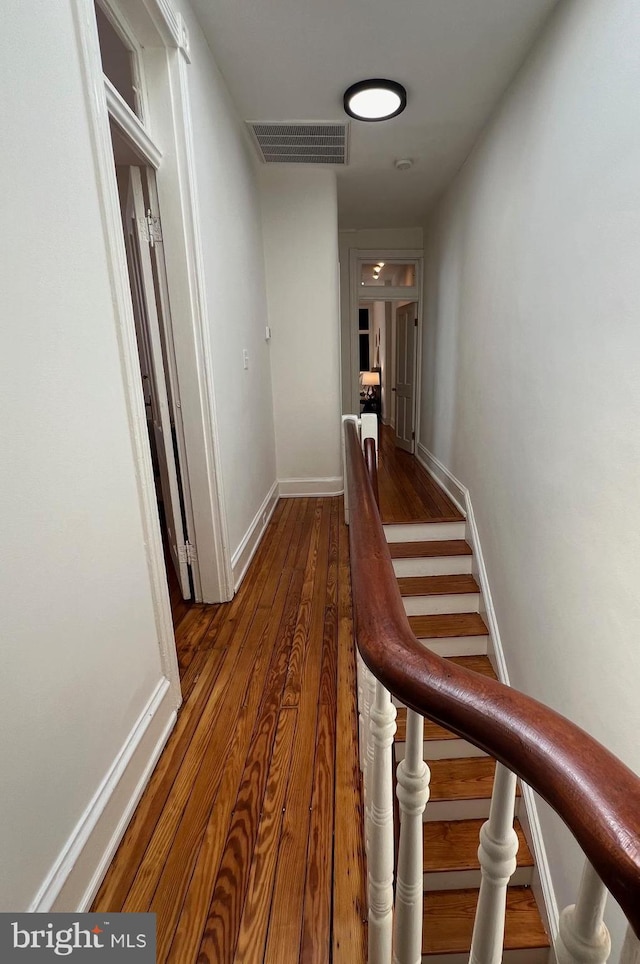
[358, 293]
[164, 46]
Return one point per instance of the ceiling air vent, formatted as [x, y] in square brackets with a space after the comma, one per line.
[309, 143]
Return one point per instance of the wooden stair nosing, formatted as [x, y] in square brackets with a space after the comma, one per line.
[428, 549]
[437, 585]
[448, 625]
[449, 915]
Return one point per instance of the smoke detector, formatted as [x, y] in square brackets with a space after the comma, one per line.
[403, 164]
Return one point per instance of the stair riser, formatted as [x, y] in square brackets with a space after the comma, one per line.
[458, 646]
[466, 879]
[459, 602]
[441, 750]
[432, 566]
[528, 955]
[460, 809]
[424, 531]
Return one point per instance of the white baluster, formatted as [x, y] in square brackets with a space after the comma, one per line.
[380, 848]
[583, 937]
[497, 855]
[360, 668]
[370, 699]
[630, 949]
[412, 792]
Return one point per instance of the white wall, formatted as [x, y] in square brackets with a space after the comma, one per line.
[80, 659]
[231, 229]
[80, 655]
[364, 238]
[531, 394]
[299, 209]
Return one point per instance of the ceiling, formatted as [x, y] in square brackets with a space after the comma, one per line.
[291, 60]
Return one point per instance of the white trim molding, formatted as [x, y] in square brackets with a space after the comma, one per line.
[154, 23]
[311, 488]
[131, 125]
[171, 26]
[542, 885]
[74, 878]
[251, 540]
[456, 491]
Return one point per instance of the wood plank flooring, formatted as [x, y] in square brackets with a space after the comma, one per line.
[407, 491]
[248, 842]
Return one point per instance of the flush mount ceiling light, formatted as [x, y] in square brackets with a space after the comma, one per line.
[375, 100]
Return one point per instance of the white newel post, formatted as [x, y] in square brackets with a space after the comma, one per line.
[380, 846]
[369, 429]
[497, 855]
[413, 792]
[583, 937]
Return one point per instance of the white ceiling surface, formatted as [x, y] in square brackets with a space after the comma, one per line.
[291, 60]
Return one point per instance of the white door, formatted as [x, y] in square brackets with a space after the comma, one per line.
[139, 235]
[406, 322]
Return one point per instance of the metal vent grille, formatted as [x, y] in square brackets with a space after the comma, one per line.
[308, 143]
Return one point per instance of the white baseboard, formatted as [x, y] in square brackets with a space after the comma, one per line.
[459, 494]
[542, 884]
[455, 490]
[251, 540]
[73, 881]
[318, 488]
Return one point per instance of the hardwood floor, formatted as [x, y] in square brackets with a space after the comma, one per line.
[247, 843]
[407, 491]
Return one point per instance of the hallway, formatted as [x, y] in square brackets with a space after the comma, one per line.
[247, 843]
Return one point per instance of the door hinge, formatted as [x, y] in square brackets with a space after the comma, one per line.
[187, 553]
[415, 322]
[150, 229]
[413, 435]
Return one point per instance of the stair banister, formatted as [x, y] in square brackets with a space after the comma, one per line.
[497, 855]
[412, 792]
[380, 839]
[595, 794]
[583, 937]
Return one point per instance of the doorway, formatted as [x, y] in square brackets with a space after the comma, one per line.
[142, 231]
[385, 316]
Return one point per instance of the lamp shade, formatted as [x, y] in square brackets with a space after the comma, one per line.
[371, 378]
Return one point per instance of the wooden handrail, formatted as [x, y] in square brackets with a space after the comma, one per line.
[594, 793]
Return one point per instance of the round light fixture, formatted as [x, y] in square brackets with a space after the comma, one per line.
[375, 100]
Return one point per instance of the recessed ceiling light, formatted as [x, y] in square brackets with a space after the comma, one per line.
[375, 100]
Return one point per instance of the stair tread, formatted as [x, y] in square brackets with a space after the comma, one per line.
[467, 778]
[449, 915]
[448, 625]
[421, 550]
[422, 520]
[433, 731]
[437, 585]
[451, 845]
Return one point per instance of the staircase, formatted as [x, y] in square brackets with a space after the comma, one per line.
[433, 565]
